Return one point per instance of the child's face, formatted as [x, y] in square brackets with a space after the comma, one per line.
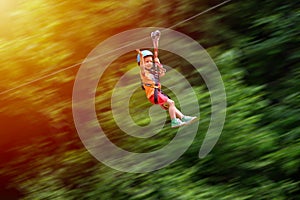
[148, 61]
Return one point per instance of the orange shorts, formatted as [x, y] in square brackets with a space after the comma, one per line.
[161, 100]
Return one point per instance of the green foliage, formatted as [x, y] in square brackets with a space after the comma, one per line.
[256, 48]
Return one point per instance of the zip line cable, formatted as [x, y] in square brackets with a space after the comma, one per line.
[201, 13]
[76, 64]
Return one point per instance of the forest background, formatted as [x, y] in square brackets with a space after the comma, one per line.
[255, 45]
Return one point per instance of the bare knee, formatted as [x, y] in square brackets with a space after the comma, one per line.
[171, 102]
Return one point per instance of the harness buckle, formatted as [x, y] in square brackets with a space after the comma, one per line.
[152, 85]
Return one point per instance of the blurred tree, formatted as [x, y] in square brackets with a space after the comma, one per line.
[255, 45]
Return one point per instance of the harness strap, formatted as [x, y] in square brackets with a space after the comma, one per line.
[156, 95]
[151, 85]
[156, 89]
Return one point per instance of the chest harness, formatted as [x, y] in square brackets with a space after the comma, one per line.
[154, 70]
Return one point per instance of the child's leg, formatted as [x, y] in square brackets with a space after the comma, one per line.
[178, 113]
[173, 111]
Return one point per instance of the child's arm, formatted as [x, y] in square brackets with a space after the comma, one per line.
[142, 61]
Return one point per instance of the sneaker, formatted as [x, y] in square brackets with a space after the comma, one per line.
[176, 123]
[188, 119]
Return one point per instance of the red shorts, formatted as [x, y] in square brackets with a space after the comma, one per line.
[161, 100]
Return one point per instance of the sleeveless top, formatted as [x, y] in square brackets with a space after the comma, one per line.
[150, 80]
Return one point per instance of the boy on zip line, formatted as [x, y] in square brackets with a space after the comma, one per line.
[150, 71]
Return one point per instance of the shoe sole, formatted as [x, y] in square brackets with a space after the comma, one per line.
[179, 126]
[192, 121]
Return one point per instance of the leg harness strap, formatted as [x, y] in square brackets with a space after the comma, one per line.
[156, 90]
